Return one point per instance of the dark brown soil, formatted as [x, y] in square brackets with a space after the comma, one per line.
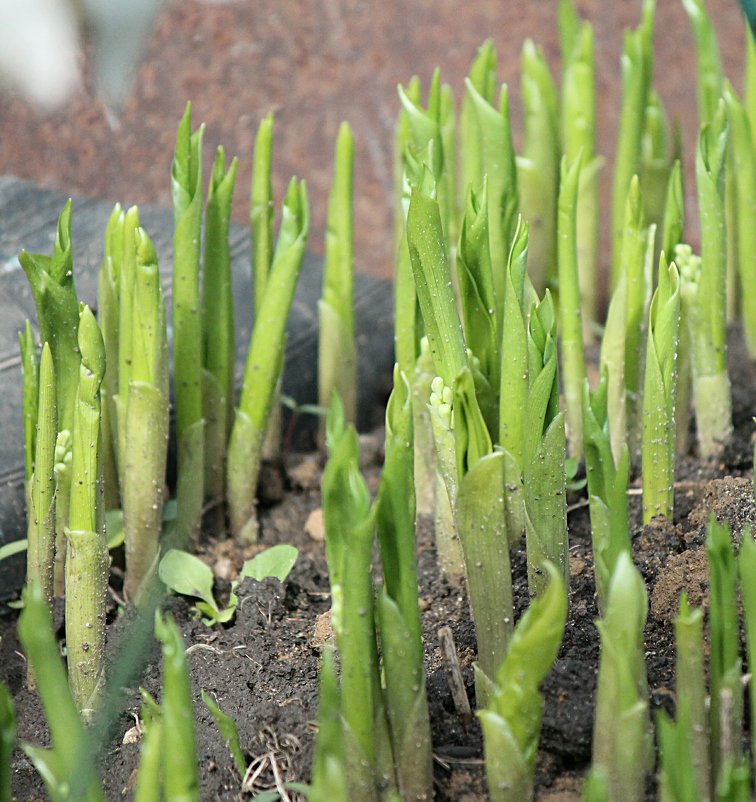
[263, 668]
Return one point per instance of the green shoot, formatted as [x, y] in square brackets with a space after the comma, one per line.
[538, 167]
[659, 434]
[337, 350]
[637, 267]
[723, 632]
[476, 291]
[482, 77]
[405, 302]
[264, 364]
[178, 748]
[261, 209]
[349, 526]
[543, 454]
[52, 285]
[703, 295]
[578, 124]
[678, 769]
[622, 743]
[637, 61]
[87, 559]
[708, 62]
[329, 782]
[655, 165]
[747, 573]
[674, 212]
[512, 719]
[7, 742]
[66, 775]
[40, 554]
[218, 348]
[147, 787]
[497, 158]
[742, 147]
[30, 373]
[228, 730]
[145, 447]
[483, 532]
[692, 717]
[108, 314]
[513, 387]
[570, 320]
[607, 489]
[186, 183]
[432, 272]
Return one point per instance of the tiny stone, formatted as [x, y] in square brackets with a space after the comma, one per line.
[224, 568]
[314, 526]
[306, 474]
[323, 631]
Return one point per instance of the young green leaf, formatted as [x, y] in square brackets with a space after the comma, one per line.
[497, 158]
[188, 575]
[276, 561]
[482, 77]
[430, 266]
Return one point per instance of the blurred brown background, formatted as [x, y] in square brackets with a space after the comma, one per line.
[314, 63]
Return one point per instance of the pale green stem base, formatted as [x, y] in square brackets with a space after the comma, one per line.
[87, 566]
[451, 558]
[189, 488]
[146, 454]
[244, 458]
[713, 406]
